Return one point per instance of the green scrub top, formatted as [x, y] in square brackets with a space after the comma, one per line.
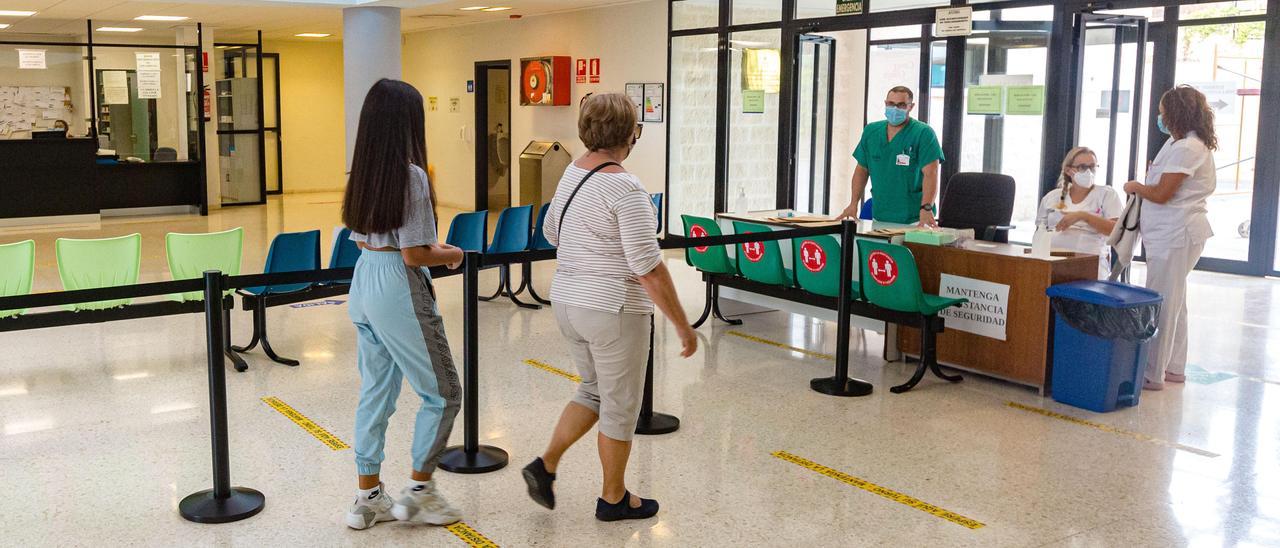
[897, 189]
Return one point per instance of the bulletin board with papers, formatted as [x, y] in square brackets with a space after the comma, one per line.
[24, 108]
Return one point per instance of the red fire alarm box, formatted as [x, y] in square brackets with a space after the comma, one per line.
[545, 81]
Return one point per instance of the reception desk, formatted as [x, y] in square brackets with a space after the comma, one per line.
[1006, 284]
[45, 180]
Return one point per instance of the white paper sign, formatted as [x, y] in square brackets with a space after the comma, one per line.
[987, 311]
[147, 61]
[115, 87]
[31, 59]
[148, 84]
[953, 22]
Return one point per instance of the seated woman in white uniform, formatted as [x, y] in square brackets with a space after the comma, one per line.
[1082, 213]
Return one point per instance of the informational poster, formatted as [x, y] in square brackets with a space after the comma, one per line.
[24, 108]
[753, 101]
[848, 7]
[455, 105]
[987, 312]
[433, 104]
[985, 100]
[1024, 100]
[147, 61]
[953, 22]
[31, 59]
[148, 84]
[653, 94]
[115, 87]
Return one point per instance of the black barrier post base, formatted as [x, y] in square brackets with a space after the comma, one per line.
[486, 458]
[652, 423]
[840, 384]
[205, 507]
[846, 387]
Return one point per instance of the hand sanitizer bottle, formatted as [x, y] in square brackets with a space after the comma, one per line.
[740, 203]
[1042, 242]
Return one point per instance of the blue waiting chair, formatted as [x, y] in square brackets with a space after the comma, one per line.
[345, 254]
[511, 235]
[657, 206]
[865, 212]
[467, 231]
[537, 242]
[289, 252]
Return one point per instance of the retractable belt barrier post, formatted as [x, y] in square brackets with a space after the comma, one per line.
[651, 423]
[471, 457]
[841, 384]
[223, 503]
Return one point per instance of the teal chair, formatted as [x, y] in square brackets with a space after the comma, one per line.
[762, 261]
[345, 254]
[817, 266]
[467, 231]
[657, 206]
[537, 242]
[891, 280]
[511, 235]
[190, 255]
[97, 263]
[289, 252]
[712, 259]
[17, 269]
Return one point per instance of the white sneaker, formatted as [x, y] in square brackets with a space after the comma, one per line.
[424, 504]
[367, 512]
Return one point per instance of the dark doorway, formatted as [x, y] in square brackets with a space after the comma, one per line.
[493, 135]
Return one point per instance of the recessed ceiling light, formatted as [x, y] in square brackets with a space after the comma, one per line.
[160, 18]
[473, 8]
[16, 13]
[498, 8]
[119, 29]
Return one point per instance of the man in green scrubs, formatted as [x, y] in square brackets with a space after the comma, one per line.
[900, 155]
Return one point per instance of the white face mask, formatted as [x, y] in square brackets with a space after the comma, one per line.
[1084, 178]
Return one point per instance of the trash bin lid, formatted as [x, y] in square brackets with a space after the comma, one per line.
[1105, 293]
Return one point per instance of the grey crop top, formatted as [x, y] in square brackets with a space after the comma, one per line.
[419, 221]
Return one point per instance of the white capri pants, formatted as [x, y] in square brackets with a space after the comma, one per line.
[611, 351]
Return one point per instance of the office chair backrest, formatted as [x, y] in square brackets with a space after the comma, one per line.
[867, 210]
[512, 233]
[980, 201]
[165, 154]
[467, 230]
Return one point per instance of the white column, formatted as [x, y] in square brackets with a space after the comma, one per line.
[370, 52]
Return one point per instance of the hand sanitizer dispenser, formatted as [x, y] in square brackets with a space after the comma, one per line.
[1042, 242]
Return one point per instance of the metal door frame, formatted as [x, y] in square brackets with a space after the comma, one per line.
[830, 44]
[482, 121]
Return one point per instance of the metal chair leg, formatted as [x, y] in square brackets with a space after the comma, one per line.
[921, 365]
[256, 328]
[715, 307]
[528, 275]
[511, 294]
[932, 358]
[236, 360]
[502, 284]
[266, 343]
[706, 308]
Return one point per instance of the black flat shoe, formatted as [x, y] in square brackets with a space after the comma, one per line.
[539, 481]
[623, 510]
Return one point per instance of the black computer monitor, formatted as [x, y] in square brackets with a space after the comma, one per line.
[44, 134]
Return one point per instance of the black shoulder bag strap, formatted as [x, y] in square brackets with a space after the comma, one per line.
[560, 222]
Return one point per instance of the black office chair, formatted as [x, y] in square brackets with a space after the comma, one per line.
[165, 154]
[981, 201]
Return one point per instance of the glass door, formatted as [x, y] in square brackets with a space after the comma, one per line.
[238, 90]
[1110, 60]
[815, 88]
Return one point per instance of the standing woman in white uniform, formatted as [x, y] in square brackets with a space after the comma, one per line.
[1175, 223]
[1082, 212]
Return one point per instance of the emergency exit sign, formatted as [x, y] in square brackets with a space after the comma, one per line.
[848, 7]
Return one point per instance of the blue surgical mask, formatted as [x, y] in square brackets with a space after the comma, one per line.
[895, 115]
[1160, 125]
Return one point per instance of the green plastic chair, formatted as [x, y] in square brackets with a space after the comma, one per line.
[92, 264]
[817, 266]
[895, 284]
[712, 259]
[768, 269]
[17, 269]
[190, 255]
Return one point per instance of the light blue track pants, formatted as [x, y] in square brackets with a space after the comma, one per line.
[399, 333]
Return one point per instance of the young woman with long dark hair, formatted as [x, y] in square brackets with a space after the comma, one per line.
[1175, 221]
[390, 208]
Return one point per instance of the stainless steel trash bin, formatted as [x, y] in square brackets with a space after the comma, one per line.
[541, 165]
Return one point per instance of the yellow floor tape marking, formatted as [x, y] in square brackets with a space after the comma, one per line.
[471, 536]
[881, 491]
[1113, 430]
[776, 344]
[553, 369]
[301, 420]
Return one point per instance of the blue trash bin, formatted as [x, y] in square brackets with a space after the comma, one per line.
[1100, 334]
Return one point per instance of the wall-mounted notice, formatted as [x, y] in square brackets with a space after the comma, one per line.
[115, 87]
[148, 84]
[953, 22]
[31, 59]
[653, 94]
[1025, 100]
[848, 7]
[147, 61]
[753, 101]
[455, 105]
[580, 71]
[987, 311]
[593, 70]
[433, 104]
[635, 92]
[985, 100]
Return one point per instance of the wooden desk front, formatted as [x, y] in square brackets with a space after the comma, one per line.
[1023, 356]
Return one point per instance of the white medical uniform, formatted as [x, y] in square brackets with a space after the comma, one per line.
[1102, 201]
[1174, 234]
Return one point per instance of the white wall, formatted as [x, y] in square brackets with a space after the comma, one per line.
[629, 39]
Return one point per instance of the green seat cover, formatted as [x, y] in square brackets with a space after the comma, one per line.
[190, 255]
[768, 267]
[892, 280]
[17, 268]
[92, 264]
[712, 259]
[817, 266]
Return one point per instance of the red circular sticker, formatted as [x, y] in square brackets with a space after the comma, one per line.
[883, 270]
[812, 256]
[698, 232]
[753, 251]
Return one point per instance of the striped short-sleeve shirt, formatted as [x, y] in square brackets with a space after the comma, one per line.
[608, 240]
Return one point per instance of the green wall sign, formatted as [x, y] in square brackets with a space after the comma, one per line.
[753, 101]
[1025, 100]
[986, 100]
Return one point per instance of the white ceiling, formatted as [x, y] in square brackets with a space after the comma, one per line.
[240, 19]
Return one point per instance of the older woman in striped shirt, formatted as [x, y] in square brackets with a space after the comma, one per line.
[608, 277]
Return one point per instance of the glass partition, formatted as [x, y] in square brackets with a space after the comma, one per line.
[755, 72]
[756, 11]
[691, 115]
[694, 14]
[146, 101]
[40, 86]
